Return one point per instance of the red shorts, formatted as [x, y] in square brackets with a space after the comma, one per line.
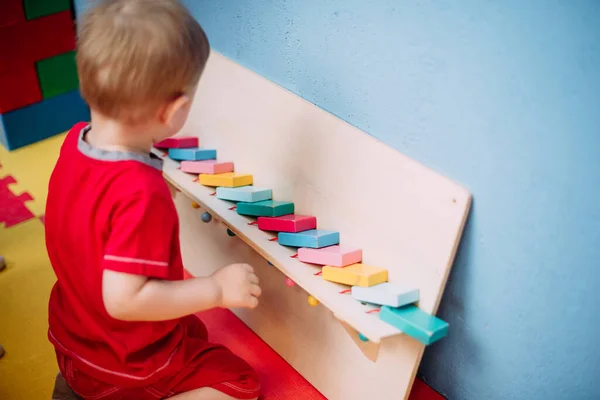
[202, 371]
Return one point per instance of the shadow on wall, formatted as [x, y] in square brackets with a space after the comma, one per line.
[453, 308]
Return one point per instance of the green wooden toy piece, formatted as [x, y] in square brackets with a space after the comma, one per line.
[57, 75]
[415, 322]
[266, 208]
[41, 8]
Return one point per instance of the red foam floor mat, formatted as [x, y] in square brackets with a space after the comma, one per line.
[279, 380]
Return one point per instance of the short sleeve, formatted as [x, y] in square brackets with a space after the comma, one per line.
[141, 236]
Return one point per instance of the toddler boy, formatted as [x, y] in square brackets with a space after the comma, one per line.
[120, 313]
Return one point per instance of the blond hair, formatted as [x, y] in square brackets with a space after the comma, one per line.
[135, 55]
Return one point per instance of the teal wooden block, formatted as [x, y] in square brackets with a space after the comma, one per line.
[42, 120]
[192, 154]
[246, 194]
[386, 294]
[314, 238]
[267, 208]
[415, 322]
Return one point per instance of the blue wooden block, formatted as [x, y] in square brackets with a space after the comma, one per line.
[246, 194]
[386, 294]
[39, 121]
[314, 238]
[192, 154]
[415, 322]
[266, 208]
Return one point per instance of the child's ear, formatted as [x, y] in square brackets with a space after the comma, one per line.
[175, 113]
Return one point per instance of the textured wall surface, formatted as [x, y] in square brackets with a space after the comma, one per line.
[501, 96]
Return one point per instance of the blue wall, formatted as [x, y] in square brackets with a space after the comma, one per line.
[501, 96]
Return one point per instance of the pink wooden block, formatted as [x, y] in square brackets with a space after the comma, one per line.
[334, 256]
[287, 223]
[206, 167]
[177, 142]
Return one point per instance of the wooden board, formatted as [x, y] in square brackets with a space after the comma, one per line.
[306, 155]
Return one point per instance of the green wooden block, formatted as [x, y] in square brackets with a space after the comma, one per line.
[57, 75]
[415, 322]
[267, 208]
[41, 8]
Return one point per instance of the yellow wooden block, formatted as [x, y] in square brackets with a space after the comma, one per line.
[228, 179]
[356, 275]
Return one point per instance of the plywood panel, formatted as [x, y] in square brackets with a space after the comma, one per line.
[406, 218]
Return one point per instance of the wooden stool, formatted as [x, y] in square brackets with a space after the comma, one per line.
[62, 391]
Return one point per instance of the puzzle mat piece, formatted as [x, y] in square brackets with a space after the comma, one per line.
[28, 369]
[31, 167]
[12, 207]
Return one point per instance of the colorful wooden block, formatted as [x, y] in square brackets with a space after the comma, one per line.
[40, 8]
[58, 74]
[177, 142]
[210, 167]
[386, 294]
[314, 238]
[192, 154]
[228, 179]
[287, 223]
[19, 88]
[267, 208]
[246, 194]
[335, 256]
[355, 275]
[30, 41]
[415, 322]
[41, 120]
[11, 12]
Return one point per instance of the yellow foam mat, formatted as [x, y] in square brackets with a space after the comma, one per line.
[31, 166]
[28, 369]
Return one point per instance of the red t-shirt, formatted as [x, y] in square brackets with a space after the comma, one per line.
[111, 210]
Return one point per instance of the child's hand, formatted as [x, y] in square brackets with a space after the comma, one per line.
[239, 286]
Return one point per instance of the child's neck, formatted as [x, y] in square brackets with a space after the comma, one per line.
[108, 134]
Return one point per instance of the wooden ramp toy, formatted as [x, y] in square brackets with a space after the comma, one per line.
[386, 294]
[417, 242]
[210, 167]
[228, 179]
[314, 238]
[356, 275]
[287, 223]
[335, 256]
[247, 194]
[267, 208]
[192, 154]
[177, 142]
[415, 322]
